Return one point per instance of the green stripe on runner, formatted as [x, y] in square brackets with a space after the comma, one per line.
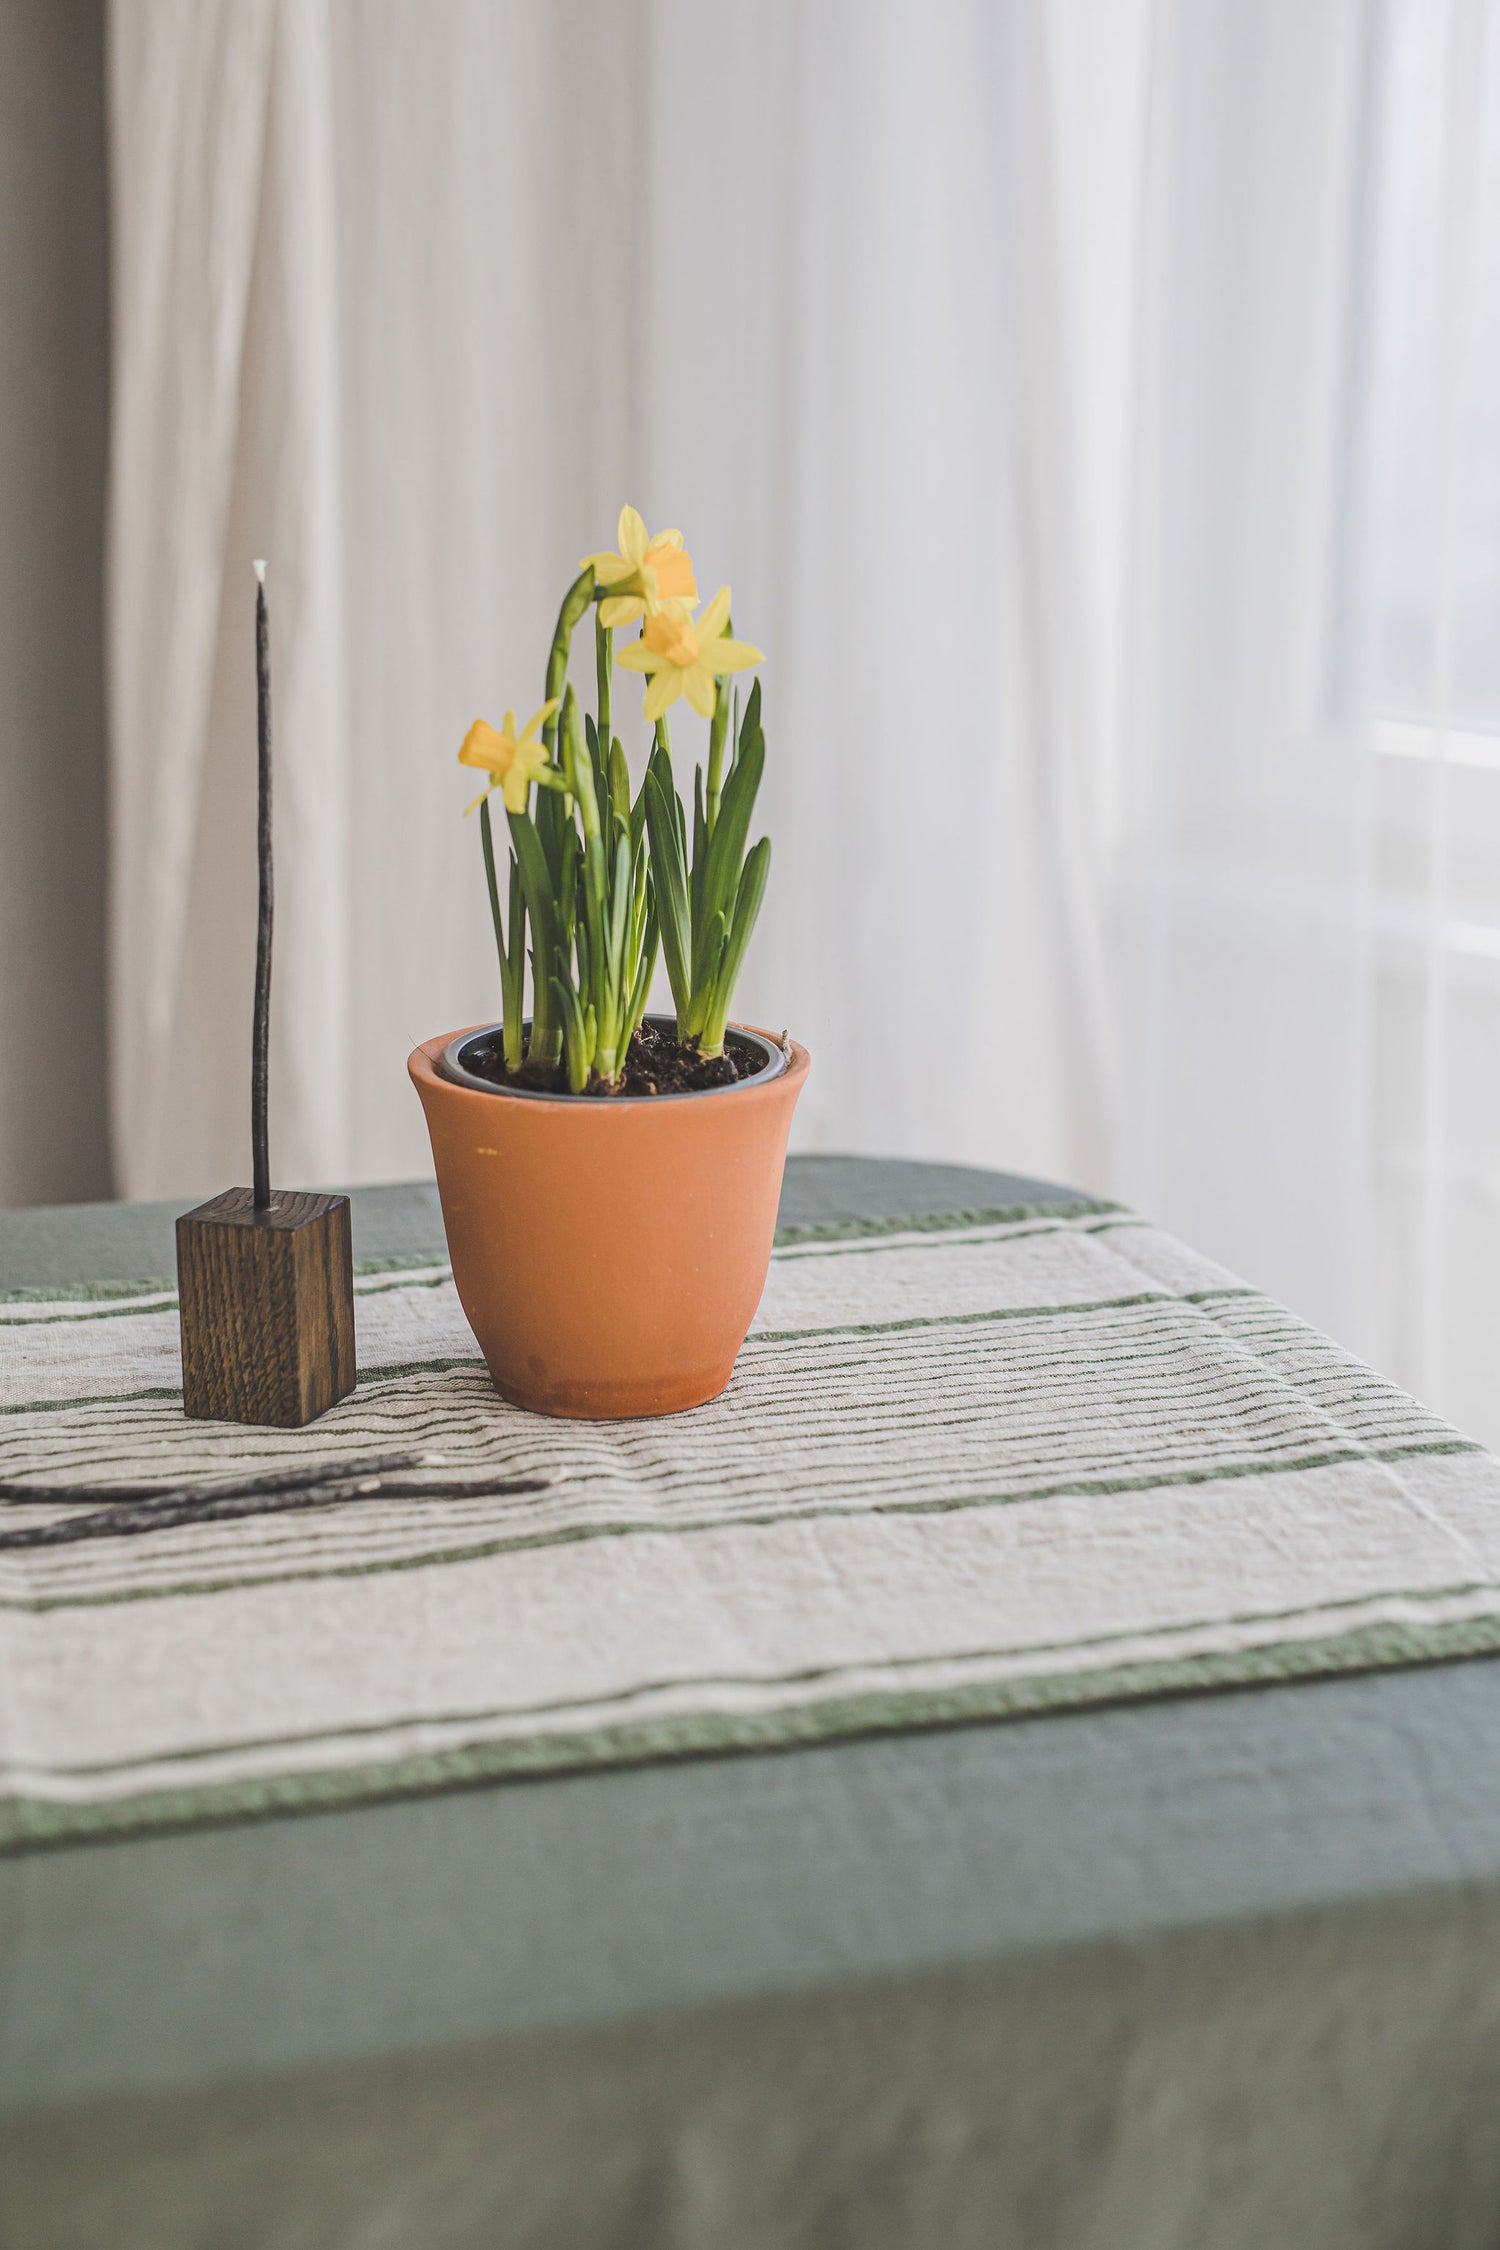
[93, 1398]
[89, 1292]
[939, 1222]
[1326, 1364]
[991, 1313]
[385, 1371]
[828, 1230]
[805, 1511]
[904, 1238]
[134, 1310]
[400, 1394]
[1183, 1458]
[29, 1822]
[420, 1411]
[126, 1302]
[810, 1675]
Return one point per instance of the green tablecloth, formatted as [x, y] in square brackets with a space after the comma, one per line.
[1218, 1971]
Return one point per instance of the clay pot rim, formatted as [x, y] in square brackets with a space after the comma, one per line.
[437, 1058]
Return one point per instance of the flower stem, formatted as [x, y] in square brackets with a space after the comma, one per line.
[551, 819]
[575, 601]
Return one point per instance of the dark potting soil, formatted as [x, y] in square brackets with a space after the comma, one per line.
[656, 1064]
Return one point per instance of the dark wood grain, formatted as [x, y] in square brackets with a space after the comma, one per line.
[267, 1307]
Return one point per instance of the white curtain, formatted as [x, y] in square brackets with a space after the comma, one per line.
[1056, 381]
[1307, 878]
[409, 299]
[1243, 843]
[1431, 654]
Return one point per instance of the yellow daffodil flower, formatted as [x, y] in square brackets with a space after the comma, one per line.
[682, 656]
[648, 575]
[513, 761]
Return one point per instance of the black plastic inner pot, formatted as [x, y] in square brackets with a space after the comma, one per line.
[772, 1062]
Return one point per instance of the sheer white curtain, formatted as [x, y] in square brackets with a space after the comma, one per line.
[1058, 385]
[408, 300]
[1309, 843]
[1243, 838]
[1431, 626]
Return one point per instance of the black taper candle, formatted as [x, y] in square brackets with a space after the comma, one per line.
[265, 1284]
[260, 1052]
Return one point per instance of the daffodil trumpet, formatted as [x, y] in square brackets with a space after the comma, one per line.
[645, 576]
[683, 655]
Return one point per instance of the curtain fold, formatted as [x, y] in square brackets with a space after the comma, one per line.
[1244, 894]
[789, 275]
[226, 445]
[187, 98]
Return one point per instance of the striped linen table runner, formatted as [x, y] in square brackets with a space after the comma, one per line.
[994, 1462]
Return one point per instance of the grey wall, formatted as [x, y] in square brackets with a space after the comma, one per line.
[53, 410]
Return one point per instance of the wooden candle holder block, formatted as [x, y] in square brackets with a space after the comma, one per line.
[267, 1308]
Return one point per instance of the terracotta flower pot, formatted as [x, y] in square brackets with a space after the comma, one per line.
[609, 1255]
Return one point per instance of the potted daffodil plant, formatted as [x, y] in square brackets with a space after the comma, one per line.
[609, 1176]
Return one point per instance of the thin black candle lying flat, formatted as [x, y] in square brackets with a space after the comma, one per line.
[216, 1488]
[161, 1507]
